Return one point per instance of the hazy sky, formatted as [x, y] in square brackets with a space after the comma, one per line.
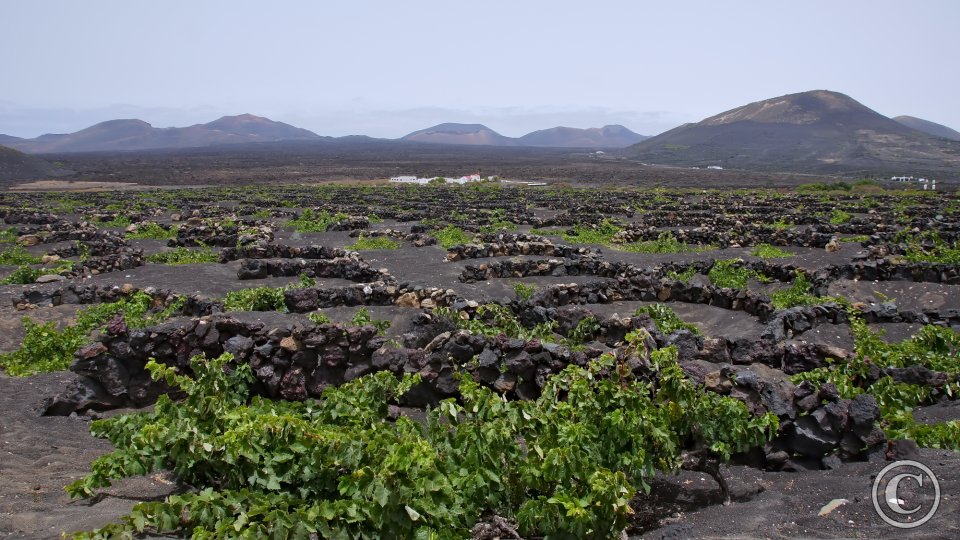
[385, 68]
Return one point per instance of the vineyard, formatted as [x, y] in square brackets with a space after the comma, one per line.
[474, 362]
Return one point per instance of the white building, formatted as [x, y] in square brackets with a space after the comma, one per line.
[424, 181]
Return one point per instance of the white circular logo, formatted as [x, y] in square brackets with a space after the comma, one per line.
[906, 494]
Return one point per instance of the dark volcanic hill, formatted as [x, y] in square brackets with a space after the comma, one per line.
[818, 131]
[248, 125]
[125, 135]
[928, 127]
[614, 136]
[15, 165]
[470, 134]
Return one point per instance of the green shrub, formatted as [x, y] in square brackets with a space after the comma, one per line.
[8, 236]
[839, 216]
[23, 275]
[936, 250]
[934, 347]
[364, 243]
[524, 291]
[683, 277]
[798, 294]
[583, 332]
[766, 251]
[495, 319]
[16, 255]
[310, 221]
[182, 255]
[319, 318]
[45, 348]
[451, 236]
[732, 274]
[665, 243]
[667, 320]
[781, 224]
[566, 465]
[256, 299]
[599, 234]
[119, 221]
[152, 231]
[363, 318]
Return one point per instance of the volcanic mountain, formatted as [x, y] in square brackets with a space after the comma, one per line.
[928, 127]
[15, 165]
[122, 135]
[471, 134]
[613, 136]
[817, 131]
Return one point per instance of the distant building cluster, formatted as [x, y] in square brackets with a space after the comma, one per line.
[928, 183]
[423, 181]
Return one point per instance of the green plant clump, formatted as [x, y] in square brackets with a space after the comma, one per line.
[732, 274]
[363, 318]
[682, 277]
[364, 243]
[798, 294]
[495, 319]
[319, 318]
[45, 348]
[600, 234]
[264, 298]
[16, 255]
[936, 251]
[934, 347]
[119, 221]
[667, 320]
[182, 255]
[256, 299]
[565, 465]
[665, 243]
[838, 217]
[152, 231]
[23, 275]
[524, 291]
[766, 251]
[451, 236]
[310, 221]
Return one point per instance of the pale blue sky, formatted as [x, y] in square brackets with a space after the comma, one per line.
[385, 68]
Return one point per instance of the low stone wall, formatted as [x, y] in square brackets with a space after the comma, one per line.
[349, 268]
[218, 235]
[82, 294]
[520, 248]
[887, 270]
[296, 359]
[110, 243]
[124, 259]
[352, 223]
[552, 267]
[417, 239]
[280, 251]
[11, 217]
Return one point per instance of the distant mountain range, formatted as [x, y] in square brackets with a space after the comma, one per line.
[558, 137]
[121, 135]
[130, 135]
[817, 131]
